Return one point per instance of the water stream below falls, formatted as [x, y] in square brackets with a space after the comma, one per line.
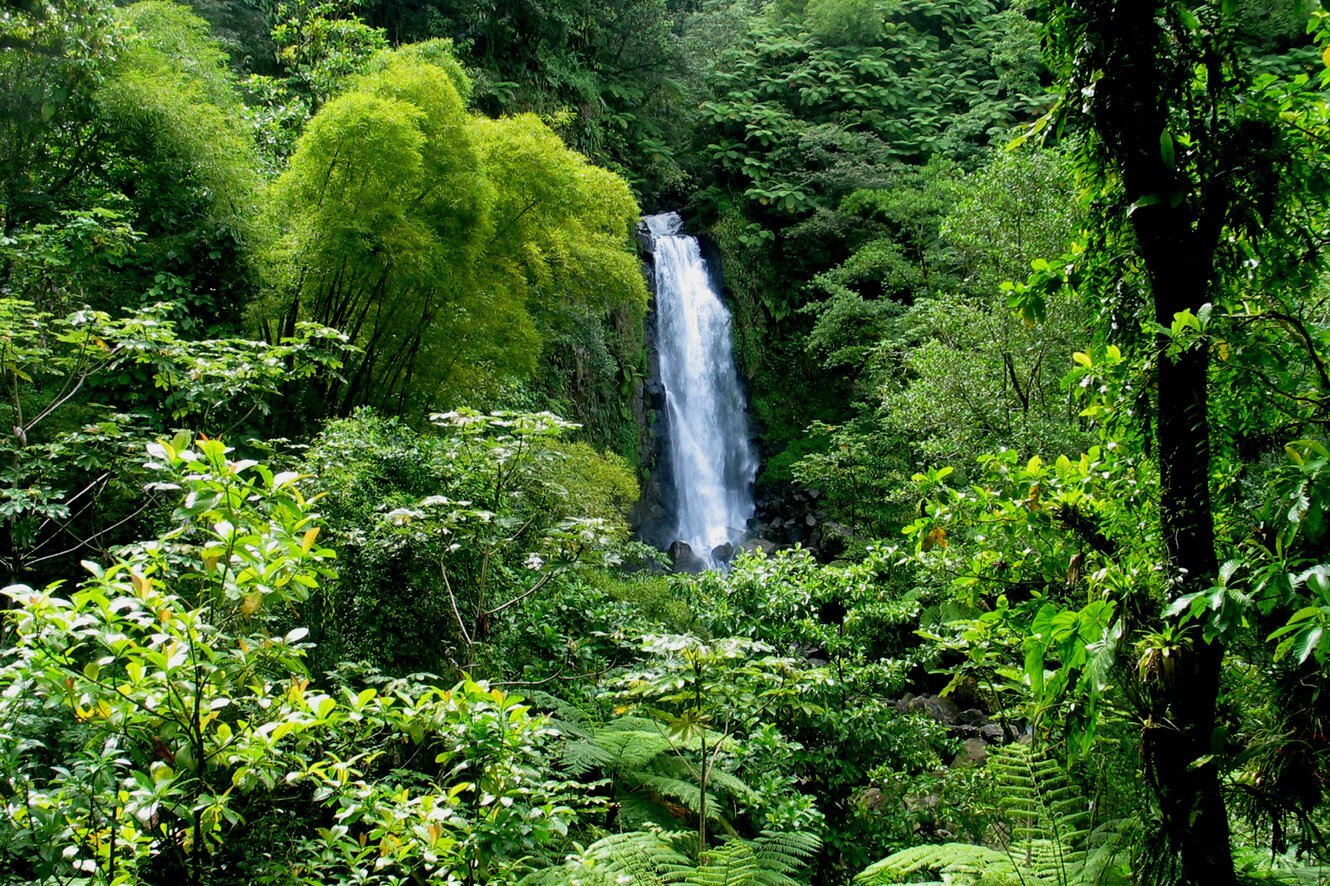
[710, 452]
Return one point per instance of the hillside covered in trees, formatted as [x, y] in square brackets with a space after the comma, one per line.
[332, 410]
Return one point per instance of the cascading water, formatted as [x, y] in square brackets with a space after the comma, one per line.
[710, 453]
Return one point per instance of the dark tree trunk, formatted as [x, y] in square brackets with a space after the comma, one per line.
[1175, 218]
[1183, 715]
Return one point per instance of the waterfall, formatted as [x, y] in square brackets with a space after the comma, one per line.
[710, 453]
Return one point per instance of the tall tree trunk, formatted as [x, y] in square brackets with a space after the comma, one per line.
[1176, 238]
[1178, 737]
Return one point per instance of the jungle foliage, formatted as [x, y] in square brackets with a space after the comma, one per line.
[322, 369]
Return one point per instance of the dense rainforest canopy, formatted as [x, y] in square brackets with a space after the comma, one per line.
[331, 409]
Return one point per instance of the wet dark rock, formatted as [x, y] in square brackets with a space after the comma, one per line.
[722, 554]
[683, 559]
[787, 514]
[813, 656]
[972, 753]
[764, 545]
[833, 540]
[971, 717]
[645, 241]
[943, 710]
[929, 801]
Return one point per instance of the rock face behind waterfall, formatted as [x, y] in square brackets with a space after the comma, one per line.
[653, 515]
[704, 479]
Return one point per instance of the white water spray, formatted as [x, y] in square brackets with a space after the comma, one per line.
[710, 452]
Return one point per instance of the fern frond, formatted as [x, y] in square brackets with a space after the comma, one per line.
[958, 863]
[562, 711]
[773, 859]
[581, 756]
[626, 750]
[640, 810]
[635, 857]
[1049, 825]
[658, 859]
[1048, 862]
[681, 791]
[1049, 818]
[730, 785]
[644, 857]
[727, 866]
[787, 852]
[1106, 850]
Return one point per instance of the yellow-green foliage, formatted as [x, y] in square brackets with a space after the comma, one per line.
[438, 52]
[383, 211]
[438, 239]
[600, 485]
[170, 100]
[654, 597]
[561, 220]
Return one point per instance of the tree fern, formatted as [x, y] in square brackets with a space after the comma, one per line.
[1048, 816]
[638, 857]
[654, 783]
[1051, 843]
[580, 754]
[770, 860]
[958, 863]
[677, 792]
[663, 859]
[623, 748]
[731, 785]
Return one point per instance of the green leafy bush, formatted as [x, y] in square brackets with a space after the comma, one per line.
[159, 718]
[447, 534]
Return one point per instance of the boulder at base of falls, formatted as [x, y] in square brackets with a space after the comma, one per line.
[833, 540]
[683, 559]
[973, 752]
[760, 544]
[722, 554]
[943, 710]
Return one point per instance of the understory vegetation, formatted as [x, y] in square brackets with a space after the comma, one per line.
[326, 391]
